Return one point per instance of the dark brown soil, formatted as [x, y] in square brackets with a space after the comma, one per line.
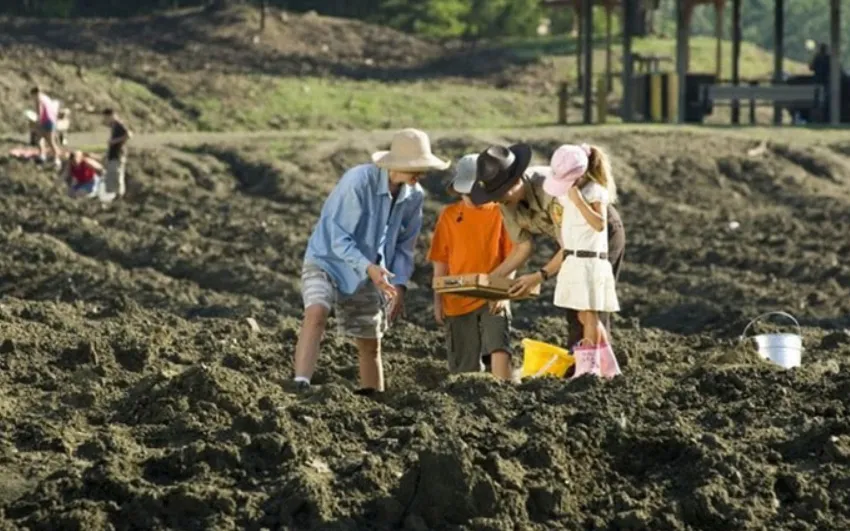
[191, 52]
[134, 393]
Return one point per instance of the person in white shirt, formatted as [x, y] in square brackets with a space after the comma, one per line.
[582, 182]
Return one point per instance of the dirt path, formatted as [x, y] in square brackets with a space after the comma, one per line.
[193, 138]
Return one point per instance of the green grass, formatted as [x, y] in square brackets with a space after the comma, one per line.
[269, 102]
[318, 103]
[240, 102]
[755, 63]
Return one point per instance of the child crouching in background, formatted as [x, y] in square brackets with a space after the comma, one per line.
[471, 239]
[82, 174]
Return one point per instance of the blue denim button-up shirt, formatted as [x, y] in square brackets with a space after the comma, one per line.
[356, 220]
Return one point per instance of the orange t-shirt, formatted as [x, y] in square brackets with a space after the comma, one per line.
[469, 240]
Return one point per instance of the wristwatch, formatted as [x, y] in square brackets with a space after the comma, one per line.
[543, 274]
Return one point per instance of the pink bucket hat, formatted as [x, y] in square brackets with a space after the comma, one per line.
[569, 162]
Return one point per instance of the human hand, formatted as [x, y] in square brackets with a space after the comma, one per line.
[574, 195]
[498, 307]
[397, 303]
[524, 285]
[379, 276]
[439, 313]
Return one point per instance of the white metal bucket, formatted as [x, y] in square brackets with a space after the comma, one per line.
[785, 350]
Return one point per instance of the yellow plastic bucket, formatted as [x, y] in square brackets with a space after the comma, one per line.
[542, 358]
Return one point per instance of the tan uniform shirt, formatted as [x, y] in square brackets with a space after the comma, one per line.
[538, 213]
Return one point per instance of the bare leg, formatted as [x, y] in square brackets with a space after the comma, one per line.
[371, 366]
[590, 324]
[54, 147]
[574, 328]
[42, 155]
[500, 365]
[309, 339]
[602, 332]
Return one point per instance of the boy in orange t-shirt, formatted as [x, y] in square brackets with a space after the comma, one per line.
[469, 240]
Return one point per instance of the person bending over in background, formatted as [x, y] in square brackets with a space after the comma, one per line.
[82, 174]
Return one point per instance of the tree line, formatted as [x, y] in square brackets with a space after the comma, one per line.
[434, 18]
[476, 18]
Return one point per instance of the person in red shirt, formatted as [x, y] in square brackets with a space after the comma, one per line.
[82, 174]
[471, 239]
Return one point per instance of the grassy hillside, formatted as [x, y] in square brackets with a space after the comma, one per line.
[200, 70]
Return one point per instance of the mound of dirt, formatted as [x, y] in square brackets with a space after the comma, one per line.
[223, 40]
[135, 393]
[149, 66]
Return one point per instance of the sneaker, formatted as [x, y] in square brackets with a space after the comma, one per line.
[291, 386]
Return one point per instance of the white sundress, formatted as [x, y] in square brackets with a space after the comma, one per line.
[585, 283]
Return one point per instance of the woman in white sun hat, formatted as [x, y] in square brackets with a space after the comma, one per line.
[360, 255]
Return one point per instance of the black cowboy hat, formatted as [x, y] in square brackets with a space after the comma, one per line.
[498, 170]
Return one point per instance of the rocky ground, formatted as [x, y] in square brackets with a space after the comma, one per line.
[136, 394]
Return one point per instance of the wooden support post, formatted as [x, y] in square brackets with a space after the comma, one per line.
[835, 62]
[656, 85]
[609, 82]
[753, 105]
[601, 100]
[736, 56]
[579, 43]
[587, 48]
[718, 35]
[778, 52]
[629, 19]
[673, 98]
[563, 103]
[682, 34]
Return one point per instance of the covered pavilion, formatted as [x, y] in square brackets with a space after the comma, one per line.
[628, 10]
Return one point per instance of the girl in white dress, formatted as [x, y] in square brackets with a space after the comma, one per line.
[582, 182]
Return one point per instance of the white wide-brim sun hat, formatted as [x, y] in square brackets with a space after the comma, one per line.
[410, 151]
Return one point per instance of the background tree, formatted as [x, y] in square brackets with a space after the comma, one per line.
[476, 19]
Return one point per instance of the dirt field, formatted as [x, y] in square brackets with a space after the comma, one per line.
[134, 393]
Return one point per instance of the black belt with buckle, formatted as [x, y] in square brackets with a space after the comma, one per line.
[585, 254]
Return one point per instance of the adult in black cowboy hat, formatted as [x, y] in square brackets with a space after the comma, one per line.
[499, 170]
[505, 177]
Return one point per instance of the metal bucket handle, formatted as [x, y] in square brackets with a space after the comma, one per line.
[783, 314]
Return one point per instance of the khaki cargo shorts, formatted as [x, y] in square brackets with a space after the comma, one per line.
[114, 180]
[474, 335]
[361, 315]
